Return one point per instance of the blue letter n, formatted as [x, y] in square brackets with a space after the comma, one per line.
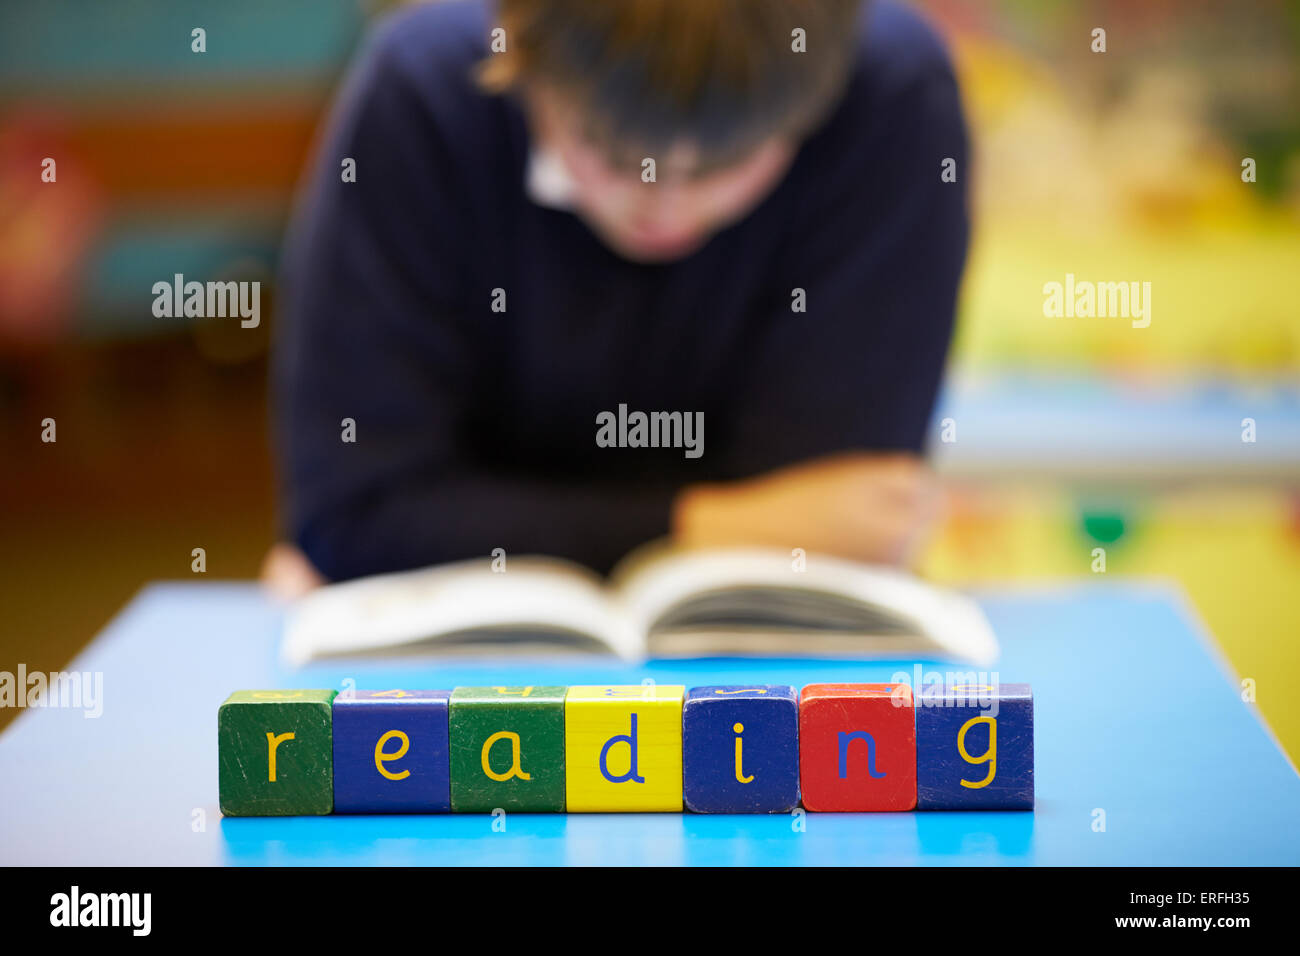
[845, 740]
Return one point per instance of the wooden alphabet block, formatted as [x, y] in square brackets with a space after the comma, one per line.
[507, 749]
[623, 748]
[857, 747]
[740, 749]
[975, 747]
[391, 752]
[274, 753]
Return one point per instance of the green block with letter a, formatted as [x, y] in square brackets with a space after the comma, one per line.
[507, 749]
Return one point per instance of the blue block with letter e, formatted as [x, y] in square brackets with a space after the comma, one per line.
[391, 752]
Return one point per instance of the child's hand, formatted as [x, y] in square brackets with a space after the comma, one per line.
[876, 508]
[287, 574]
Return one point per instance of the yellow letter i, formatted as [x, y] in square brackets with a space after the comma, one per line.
[740, 773]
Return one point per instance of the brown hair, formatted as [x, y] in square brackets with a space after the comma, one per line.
[721, 74]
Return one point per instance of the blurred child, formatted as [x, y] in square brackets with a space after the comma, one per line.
[732, 210]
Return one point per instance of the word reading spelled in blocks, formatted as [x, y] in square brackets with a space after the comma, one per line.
[975, 747]
[623, 747]
[857, 747]
[390, 752]
[740, 749]
[275, 753]
[507, 749]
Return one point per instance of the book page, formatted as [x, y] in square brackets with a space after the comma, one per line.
[537, 602]
[723, 595]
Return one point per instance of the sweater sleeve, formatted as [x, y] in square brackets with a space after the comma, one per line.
[376, 334]
[878, 257]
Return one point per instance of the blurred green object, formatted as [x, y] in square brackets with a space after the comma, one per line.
[1104, 527]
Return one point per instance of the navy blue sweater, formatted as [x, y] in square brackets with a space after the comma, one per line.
[476, 429]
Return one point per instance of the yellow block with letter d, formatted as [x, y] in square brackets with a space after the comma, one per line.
[623, 747]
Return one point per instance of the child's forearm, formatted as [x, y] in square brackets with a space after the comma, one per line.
[468, 514]
[865, 507]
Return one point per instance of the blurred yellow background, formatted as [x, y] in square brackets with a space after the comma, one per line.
[1127, 165]
[1071, 434]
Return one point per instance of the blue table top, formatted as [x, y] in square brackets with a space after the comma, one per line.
[1135, 712]
[1055, 423]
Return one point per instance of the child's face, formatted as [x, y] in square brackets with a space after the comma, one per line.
[661, 220]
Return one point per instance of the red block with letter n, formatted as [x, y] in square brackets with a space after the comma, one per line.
[857, 747]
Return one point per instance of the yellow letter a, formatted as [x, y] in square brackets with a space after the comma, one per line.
[515, 770]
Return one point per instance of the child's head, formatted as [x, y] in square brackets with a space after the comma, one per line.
[717, 92]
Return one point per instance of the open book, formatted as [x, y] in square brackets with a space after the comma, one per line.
[658, 602]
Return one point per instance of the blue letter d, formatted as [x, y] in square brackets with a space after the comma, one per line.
[631, 771]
